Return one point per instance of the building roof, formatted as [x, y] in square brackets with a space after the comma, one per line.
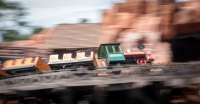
[74, 36]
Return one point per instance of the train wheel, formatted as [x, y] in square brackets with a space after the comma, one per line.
[141, 61]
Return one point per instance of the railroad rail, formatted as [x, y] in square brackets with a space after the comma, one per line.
[174, 74]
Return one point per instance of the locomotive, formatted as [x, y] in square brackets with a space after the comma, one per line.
[112, 54]
[108, 54]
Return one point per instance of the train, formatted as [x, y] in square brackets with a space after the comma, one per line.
[110, 55]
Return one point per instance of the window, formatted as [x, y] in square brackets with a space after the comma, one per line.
[110, 48]
[117, 48]
[113, 48]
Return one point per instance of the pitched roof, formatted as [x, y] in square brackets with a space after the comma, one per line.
[74, 36]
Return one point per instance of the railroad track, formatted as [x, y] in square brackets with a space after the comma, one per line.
[174, 74]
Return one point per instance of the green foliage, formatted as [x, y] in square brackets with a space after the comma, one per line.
[15, 38]
[83, 20]
[22, 23]
[12, 9]
[11, 19]
[23, 37]
[12, 35]
[8, 5]
[37, 30]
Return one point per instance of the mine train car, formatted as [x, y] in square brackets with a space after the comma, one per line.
[108, 54]
[23, 65]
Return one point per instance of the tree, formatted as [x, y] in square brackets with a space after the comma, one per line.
[11, 19]
[83, 20]
[11, 35]
[37, 30]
